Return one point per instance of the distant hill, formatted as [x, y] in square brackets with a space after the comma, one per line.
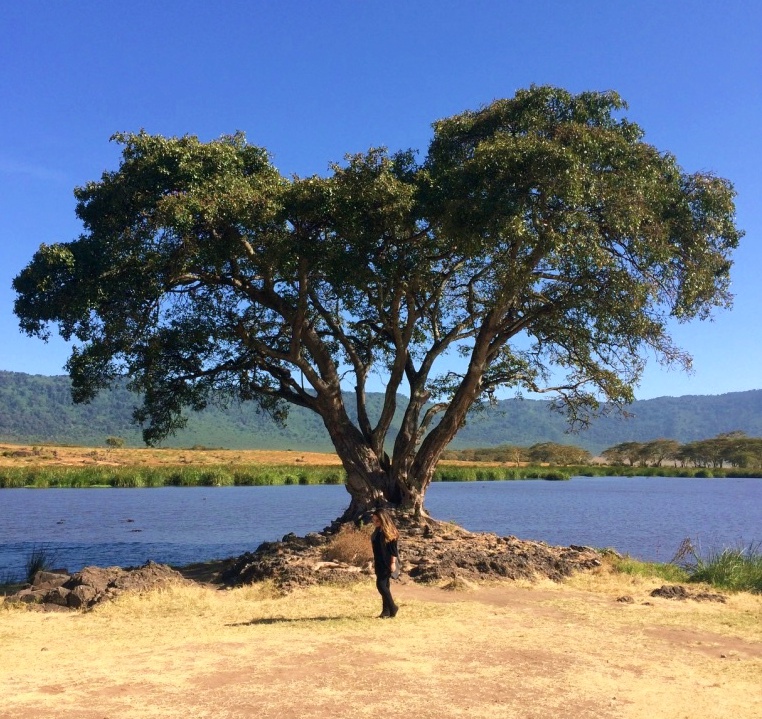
[38, 409]
[687, 418]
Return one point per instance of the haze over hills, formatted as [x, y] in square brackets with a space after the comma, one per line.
[38, 409]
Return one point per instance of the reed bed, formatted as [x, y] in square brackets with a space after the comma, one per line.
[168, 476]
[245, 475]
[475, 473]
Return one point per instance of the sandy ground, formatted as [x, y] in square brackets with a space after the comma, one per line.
[509, 650]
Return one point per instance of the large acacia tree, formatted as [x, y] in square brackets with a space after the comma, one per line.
[541, 242]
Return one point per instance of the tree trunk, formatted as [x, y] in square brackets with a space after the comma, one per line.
[372, 481]
[368, 484]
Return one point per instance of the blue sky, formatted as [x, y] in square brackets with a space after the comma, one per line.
[312, 81]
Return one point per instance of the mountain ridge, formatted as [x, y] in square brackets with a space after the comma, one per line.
[38, 409]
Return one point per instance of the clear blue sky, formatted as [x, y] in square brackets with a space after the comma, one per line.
[312, 80]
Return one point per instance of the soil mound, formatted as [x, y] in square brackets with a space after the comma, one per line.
[677, 591]
[430, 552]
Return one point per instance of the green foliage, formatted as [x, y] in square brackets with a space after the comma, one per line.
[115, 442]
[558, 454]
[733, 448]
[539, 235]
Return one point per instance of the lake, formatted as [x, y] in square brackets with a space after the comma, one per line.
[646, 517]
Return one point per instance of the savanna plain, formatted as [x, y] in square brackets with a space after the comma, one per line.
[499, 650]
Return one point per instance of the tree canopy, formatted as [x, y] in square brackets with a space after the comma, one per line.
[540, 238]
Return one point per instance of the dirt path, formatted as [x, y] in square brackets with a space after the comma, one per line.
[513, 650]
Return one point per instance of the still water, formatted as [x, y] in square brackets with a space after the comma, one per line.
[646, 517]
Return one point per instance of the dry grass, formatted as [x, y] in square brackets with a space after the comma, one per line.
[509, 650]
[13, 455]
[28, 455]
[350, 546]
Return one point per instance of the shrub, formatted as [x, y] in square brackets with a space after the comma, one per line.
[40, 559]
[350, 546]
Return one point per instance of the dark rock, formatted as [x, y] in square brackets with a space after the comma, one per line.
[671, 591]
[677, 591]
[28, 596]
[626, 600]
[58, 596]
[96, 577]
[81, 596]
[97, 584]
[313, 539]
[50, 607]
[150, 576]
[50, 580]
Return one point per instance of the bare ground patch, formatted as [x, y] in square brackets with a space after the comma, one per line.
[504, 650]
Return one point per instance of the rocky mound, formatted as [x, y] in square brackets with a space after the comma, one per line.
[54, 591]
[677, 591]
[430, 553]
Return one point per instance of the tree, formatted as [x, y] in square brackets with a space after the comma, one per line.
[541, 240]
[561, 454]
[624, 452]
[658, 450]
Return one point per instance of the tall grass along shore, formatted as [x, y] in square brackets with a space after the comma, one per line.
[223, 475]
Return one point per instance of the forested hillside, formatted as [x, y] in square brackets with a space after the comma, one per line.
[38, 409]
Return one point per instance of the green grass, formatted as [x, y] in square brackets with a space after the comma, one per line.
[172, 476]
[496, 474]
[634, 567]
[266, 475]
[731, 569]
[734, 569]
